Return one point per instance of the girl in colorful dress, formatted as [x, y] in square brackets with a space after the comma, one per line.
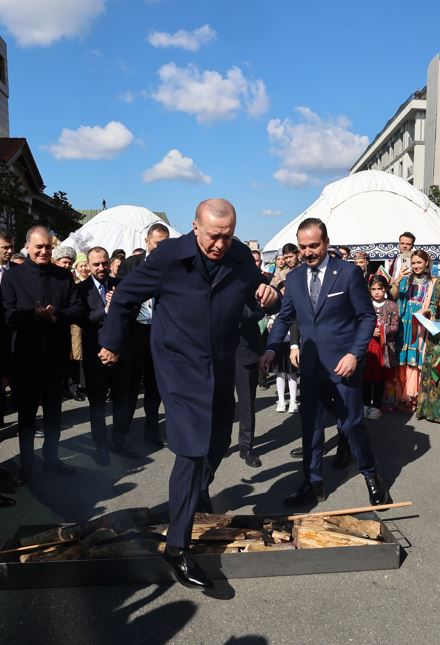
[379, 371]
[412, 290]
[429, 396]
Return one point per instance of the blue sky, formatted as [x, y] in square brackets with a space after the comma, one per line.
[162, 103]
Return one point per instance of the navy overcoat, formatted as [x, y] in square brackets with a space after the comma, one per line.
[194, 335]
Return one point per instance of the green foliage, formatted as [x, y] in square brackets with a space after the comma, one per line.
[61, 219]
[15, 216]
[434, 195]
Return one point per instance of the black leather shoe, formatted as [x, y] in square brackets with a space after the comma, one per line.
[59, 467]
[296, 452]
[123, 450]
[6, 501]
[306, 493]
[101, 456]
[342, 458]
[250, 458]
[187, 571]
[377, 491]
[155, 439]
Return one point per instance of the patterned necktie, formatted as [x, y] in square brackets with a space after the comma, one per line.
[315, 288]
[2, 271]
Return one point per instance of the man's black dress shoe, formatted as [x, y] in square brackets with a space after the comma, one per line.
[296, 452]
[377, 491]
[250, 457]
[123, 450]
[306, 493]
[186, 569]
[155, 439]
[101, 456]
[58, 466]
[6, 501]
[342, 458]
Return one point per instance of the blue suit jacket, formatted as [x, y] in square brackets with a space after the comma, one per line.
[194, 335]
[344, 320]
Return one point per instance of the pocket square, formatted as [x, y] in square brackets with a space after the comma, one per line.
[337, 293]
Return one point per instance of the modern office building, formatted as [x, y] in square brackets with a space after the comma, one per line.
[408, 146]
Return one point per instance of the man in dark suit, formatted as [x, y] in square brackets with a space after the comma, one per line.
[140, 360]
[96, 294]
[40, 302]
[248, 353]
[200, 283]
[336, 321]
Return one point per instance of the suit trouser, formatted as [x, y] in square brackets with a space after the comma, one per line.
[141, 363]
[192, 475]
[99, 380]
[246, 380]
[31, 390]
[350, 420]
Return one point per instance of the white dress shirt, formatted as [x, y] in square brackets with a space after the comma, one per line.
[321, 271]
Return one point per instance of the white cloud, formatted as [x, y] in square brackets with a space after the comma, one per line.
[42, 22]
[313, 149]
[189, 40]
[126, 97]
[175, 166]
[269, 212]
[209, 95]
[92, 142]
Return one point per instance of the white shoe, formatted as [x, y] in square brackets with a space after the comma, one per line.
[366, 411]
[293, 407]
[281, 406]
[374, 414]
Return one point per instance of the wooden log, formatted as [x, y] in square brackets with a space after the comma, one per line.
[126, 549]
[281, 536]
[306, 538]
[353, 526]
[117, 520]
[350, 511]
[213, 548]
[260, 546]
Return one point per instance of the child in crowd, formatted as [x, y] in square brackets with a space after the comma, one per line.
[283, 368]
[379, 374]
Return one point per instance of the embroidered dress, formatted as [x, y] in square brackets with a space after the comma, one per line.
[413, 295]
[429, 396]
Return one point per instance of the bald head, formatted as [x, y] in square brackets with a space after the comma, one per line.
[216, 208]
[214, 227]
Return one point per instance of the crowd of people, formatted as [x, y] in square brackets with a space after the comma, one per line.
[97, 323]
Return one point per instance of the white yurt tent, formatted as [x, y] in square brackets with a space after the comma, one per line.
[368, 211]
[121, 227]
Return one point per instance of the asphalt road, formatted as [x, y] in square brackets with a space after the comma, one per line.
[388, 606]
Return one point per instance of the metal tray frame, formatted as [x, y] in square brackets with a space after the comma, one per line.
[153, 568]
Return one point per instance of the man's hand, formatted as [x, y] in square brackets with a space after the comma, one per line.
[266, 360]
[109, 295]
[346, 366]
[376, 332]
[294, 356]
[107, 357]
[46, 313]
[266, 295]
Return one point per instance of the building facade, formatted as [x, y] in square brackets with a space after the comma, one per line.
[408, 146]
[4, 90]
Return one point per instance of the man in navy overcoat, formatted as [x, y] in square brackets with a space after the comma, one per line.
[336, 321]
[200, 283]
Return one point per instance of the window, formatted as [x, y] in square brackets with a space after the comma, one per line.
[2, 69]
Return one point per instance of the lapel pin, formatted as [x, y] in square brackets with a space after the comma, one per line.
[334, 272]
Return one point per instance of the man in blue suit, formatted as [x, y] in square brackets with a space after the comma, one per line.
[336, 321]
[200, 283]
